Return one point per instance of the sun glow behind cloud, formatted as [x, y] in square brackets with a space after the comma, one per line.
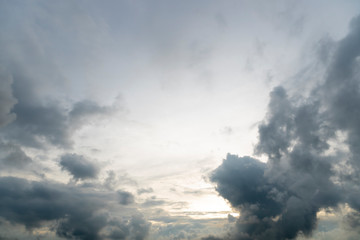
[124, 109]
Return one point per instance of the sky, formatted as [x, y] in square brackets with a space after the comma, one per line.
[196, 120]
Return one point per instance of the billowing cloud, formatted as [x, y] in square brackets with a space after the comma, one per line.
[78, 166]
[176, 64]
[136, 228]
[312, 144]
[78, 214]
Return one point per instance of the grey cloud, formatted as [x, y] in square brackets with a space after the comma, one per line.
[136, 228]
[152, 202]
[7, 100]
[144, 190]
[6, 238]
[231, 218]
[78, 166]
[13, 157]
[180, 231]
[352, 221]
[115, 179]
[125, 198]
[311, 143]
[211, 238]
[78, 214]
[111, 181]
[36, 122]
[139, 228]
[40, 122]
[32, 203]
[242, 182]
[86, 110]
[184, 227]
[325, 49]
[32, 54]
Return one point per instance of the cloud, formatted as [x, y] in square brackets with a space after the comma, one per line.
[82, 111]
[40, 120]
[153, 202]
[242, 182]
[211, 238]
[136, 228]
[12, 157]
[32, 203]
[125, 198]
[78, 166]
[7, 100]
[352, 221]
[116, 179]
[78, 214]
[38, 124]
[144, 190]
[312, 144]
[183, 227]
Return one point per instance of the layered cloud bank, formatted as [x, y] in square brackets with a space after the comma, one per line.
[312, 142]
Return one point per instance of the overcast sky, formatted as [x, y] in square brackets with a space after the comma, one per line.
[231, 120]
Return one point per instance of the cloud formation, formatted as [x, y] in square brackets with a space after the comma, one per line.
[13, 157]
[39, 123]
[79, 214]
[78, 166]
[312, 144]
[125, 198]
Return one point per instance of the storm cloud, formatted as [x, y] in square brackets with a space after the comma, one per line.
[313, 148]
[79, 214]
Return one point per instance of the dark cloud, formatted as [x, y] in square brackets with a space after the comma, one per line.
[78, 166]
[40, 122]
[125, 198]
[313, 149]
[32, 203]
[242, 181]
[211, 238]
[78, 214]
